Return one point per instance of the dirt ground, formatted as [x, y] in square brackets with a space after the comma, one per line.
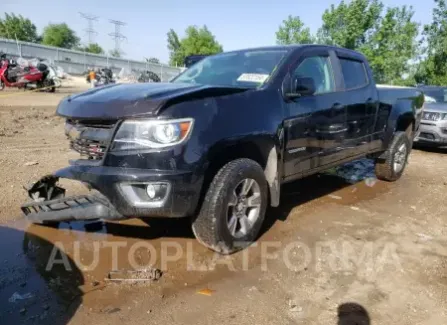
[335, 250]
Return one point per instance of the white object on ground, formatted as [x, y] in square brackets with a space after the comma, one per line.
[16, 296]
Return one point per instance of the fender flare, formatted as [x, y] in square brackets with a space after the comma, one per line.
[403, 110]
[272, 176]
[260, 148]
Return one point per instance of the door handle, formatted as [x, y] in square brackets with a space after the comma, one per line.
[333, 129]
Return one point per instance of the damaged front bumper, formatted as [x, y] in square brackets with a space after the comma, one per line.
[82, 207]
[50, 204]
[119, 193]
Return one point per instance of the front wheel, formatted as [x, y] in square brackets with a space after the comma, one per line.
[234, 207]
[392, 168]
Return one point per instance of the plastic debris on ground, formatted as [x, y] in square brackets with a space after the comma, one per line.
[335, 197]
[206, 292]
[149, 274]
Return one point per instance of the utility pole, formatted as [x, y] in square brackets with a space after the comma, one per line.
[89, 30]
[117, 36]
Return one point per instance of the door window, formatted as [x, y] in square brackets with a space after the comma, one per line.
[319, 69]
[354, 73]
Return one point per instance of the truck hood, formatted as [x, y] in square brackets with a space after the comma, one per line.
[117, 101]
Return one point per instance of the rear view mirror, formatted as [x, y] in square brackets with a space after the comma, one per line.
[303, 86]
[299, 86]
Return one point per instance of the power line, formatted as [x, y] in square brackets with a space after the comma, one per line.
[117, 36]
[89, 30]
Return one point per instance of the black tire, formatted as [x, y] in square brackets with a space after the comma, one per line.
[385, 169]
[210, 226]
[2, 85]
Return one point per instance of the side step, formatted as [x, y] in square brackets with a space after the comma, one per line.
[82, 207]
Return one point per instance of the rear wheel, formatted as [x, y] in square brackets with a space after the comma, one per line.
[234, 207]
[392, 168]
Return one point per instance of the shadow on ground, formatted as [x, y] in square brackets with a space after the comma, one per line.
[32, 290]
[352, 313]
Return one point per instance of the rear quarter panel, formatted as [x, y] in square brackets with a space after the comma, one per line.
[397, 105]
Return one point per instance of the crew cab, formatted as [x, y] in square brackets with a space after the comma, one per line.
[217, 142]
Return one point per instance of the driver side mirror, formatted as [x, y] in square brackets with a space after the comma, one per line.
[301, 86]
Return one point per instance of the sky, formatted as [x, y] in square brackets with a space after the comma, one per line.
[236, 24]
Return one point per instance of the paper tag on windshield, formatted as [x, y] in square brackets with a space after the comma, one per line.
[253, 77]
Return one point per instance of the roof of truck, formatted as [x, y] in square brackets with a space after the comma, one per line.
[297, 46]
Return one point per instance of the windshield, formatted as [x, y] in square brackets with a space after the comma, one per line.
[438, 95]
[246, 69]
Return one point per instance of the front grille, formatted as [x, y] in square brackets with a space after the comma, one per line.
[89, 149]
[89, 138]
[431, 116]
[93, 123]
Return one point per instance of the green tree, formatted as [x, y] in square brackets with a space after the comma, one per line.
[92, 48]
[60, 35]
[350, 24]
[153, 60]
[174, 47]
[433, 70]
[196, 41]
[13, 27]
[293, 31]
[199, 41]
[115, 53]
[393, 45]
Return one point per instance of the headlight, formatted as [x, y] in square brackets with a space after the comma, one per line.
[432, 116]
[140, 134]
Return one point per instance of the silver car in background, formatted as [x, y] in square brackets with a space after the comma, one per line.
[433, 127]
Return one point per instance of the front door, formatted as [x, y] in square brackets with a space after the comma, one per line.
[316, 126]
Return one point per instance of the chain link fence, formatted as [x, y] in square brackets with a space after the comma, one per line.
[77, 62]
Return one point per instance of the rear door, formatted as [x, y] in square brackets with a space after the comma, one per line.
[316, 125]
[361, 100]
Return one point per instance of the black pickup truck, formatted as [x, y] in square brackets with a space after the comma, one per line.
[217, 142]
